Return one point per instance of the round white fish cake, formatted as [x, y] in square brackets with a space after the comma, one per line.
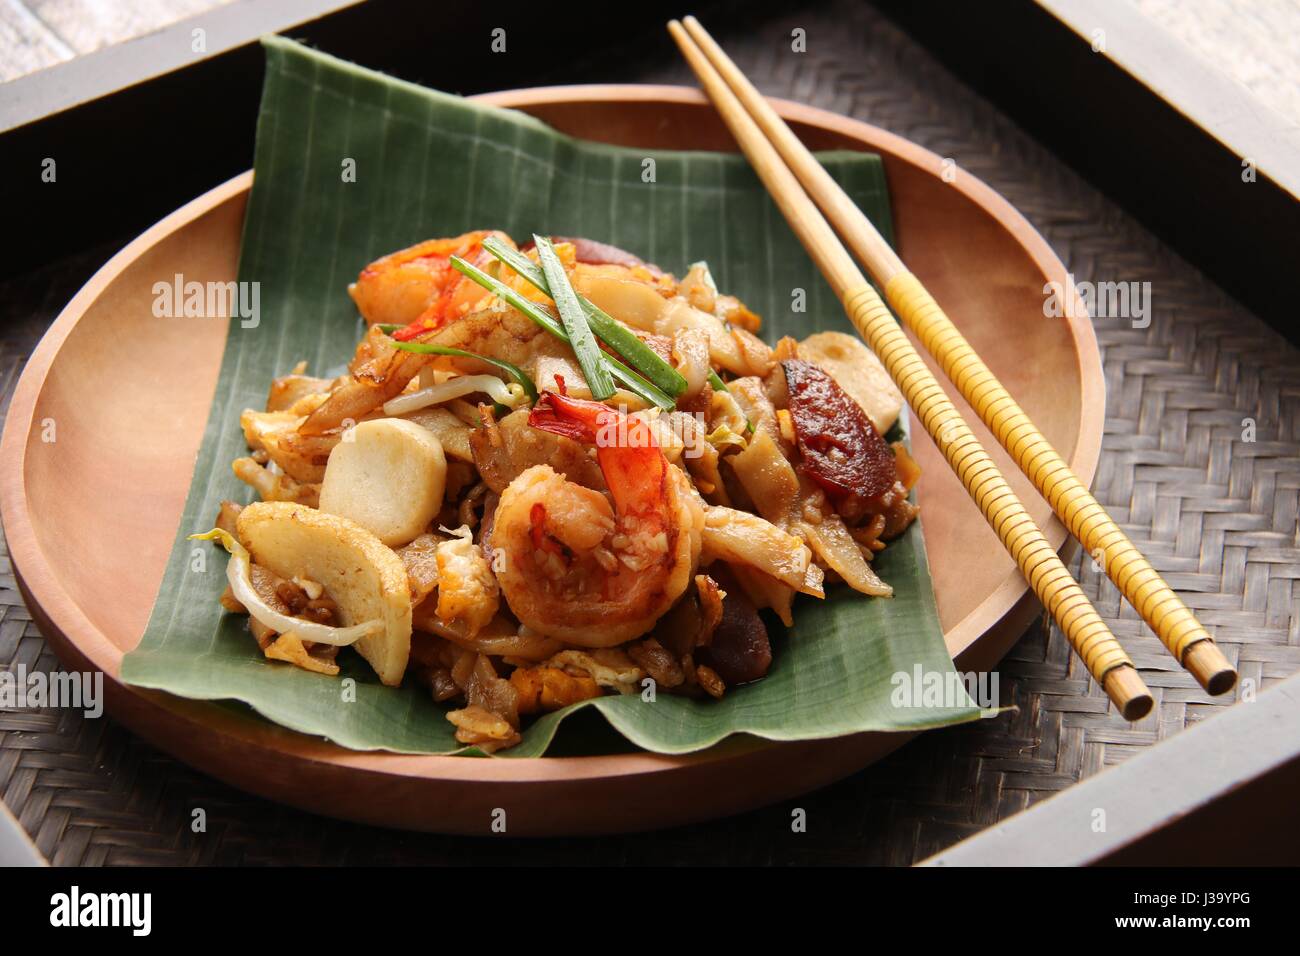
[389, 477]
[363, 577]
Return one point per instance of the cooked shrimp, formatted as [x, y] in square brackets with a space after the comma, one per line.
[417, 289]
[419, 282]
[585, 568]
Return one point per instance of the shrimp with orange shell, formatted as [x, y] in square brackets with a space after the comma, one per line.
[593, 568]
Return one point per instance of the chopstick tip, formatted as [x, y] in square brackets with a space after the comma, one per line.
[1126, 688]
[1210, 667]
[1138, 707]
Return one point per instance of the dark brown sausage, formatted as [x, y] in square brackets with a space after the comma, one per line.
[839, 448]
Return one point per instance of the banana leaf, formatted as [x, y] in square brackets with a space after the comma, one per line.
[350, 165]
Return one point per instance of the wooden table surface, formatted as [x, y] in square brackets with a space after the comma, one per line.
[1256, 42]
[1216, 513]
[35, 34]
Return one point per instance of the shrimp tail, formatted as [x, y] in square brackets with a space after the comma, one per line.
[634, 468]
[570, 417]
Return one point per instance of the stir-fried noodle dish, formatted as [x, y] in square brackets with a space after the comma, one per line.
[554, 471]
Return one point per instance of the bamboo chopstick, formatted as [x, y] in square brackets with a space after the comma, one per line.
[1037, 560]
[1171, 620]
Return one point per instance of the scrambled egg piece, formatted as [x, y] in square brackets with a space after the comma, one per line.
[467, 588]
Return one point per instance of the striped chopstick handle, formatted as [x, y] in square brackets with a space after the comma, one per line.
[1037, 559]
[1140, 583]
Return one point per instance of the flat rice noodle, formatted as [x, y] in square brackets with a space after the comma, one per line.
[739, 537]
[547, 371]
[447, 428]
[752, 399]
[834, 545]
[378, 372]
[506, 450]
[302, 457]
[765, 591]
[420, 559]
[755, 354]
[287, 390]
[500, 637]
[709, 480]
[501, 332]
[767, 476]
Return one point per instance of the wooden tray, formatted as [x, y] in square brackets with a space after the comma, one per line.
[127, 396]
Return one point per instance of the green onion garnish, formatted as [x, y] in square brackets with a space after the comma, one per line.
[629, 379]
[617, 336]
[634, 383]
[426, 348]
[590, 358]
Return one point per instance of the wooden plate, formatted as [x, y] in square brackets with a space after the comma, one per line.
[94, 474]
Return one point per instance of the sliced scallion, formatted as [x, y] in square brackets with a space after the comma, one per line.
[617, 336]
[574, 317]
[629, 379]
[634, 383]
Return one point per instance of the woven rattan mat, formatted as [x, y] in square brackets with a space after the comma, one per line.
[1216, 514]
